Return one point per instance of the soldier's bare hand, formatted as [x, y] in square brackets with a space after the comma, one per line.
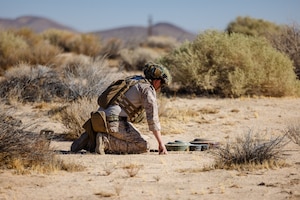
[162, 150]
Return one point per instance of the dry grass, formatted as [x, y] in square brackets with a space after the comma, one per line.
[25, 83]
[88, 78]
[104, 194]
[209, 110]
[25, 151]
[135, 59]
[74, 114]
[180, 114]
[118, 187]
[132, 169]
[293, 132]
[161, 42]
[170, 116]
[24, 46]
[112, 48]
[251, 166]
[247, 153]
[86, 44]
[109, 168]
[250, 152]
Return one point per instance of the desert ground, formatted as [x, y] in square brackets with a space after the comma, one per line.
[177, 175]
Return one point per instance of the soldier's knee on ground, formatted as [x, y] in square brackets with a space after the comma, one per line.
[118, 146]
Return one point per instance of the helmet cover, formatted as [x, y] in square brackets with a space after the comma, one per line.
[154, 71]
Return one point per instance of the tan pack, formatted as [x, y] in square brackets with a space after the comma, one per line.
[99, 124]
[113, 91]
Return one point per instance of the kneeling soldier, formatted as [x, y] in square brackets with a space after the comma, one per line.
[117, 133]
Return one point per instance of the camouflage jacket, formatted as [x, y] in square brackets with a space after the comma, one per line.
[143, 95]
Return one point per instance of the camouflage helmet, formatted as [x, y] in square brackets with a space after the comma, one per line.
[154, 71]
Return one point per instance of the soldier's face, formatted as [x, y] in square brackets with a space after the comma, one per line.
[157, 84]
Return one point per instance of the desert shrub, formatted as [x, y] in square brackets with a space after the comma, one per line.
[86, 44]
[40, 83]
[88, 79]
[74, 115]
[13, 49]
[293, 132]
[252, 27]
[26, 151]
[64, 60]
[160, 42]
[111, 49]
[249, 151]
[288, 42]
[32, 84]
[135, 59]
[232, 65]
[285, 38]
[25, 46]
[41, 51]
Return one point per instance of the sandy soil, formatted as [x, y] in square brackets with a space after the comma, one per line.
[177, 175]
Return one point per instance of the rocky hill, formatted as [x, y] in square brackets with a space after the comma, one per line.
[135, 33]
[128, 33]
[38, 24]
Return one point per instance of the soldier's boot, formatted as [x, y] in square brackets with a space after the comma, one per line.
[80, 143]
[102, 143]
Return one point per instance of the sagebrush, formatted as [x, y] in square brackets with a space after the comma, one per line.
[231, 66]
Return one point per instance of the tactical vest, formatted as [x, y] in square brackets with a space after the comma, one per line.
[115, 95]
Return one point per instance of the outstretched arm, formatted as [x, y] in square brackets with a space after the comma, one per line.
[161, 147]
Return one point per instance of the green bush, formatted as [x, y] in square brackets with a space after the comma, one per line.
[252, 27]
[231, 66]
[285, 38]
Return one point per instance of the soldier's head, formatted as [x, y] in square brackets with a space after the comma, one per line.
[154, 71]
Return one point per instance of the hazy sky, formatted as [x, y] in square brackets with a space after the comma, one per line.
[191, 15]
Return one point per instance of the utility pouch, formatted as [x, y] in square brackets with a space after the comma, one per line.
[99, 124]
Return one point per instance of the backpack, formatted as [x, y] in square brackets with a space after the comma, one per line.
[116, 89]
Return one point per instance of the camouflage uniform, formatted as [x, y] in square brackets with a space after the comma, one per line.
[123, 137]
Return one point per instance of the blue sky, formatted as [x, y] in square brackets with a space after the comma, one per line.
[191, 15]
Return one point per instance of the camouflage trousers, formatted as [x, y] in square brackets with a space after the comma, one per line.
[123, 137]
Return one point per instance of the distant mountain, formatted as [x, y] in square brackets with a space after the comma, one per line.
[138, 33]
[37, 24]
[127, 34]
